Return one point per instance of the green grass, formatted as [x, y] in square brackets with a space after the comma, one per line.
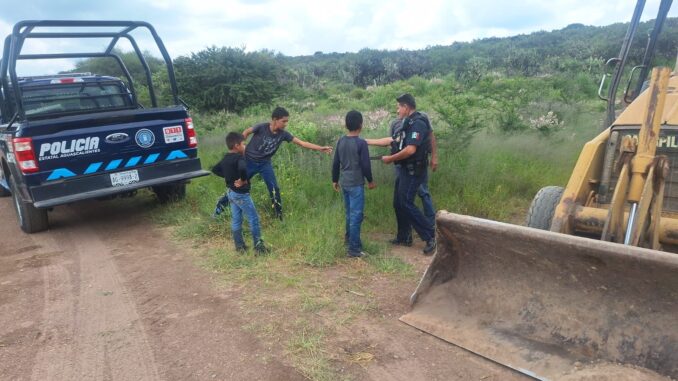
[306, 347]
[307, 273]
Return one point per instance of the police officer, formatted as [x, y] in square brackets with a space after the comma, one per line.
[410, 145]
[423, 192]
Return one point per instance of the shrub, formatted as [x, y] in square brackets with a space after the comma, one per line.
[228, 78]
[459, 118]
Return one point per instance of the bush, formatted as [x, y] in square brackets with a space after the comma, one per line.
[510, 121]
[459, 117]
[304, 130]
[228, 78]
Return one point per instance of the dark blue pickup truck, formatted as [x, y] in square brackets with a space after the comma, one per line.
[72, 137]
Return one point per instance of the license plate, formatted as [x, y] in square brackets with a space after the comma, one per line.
[124, 178]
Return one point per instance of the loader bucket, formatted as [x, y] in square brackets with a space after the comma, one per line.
[548, 304]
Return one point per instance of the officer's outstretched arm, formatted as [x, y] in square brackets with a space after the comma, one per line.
[383, 142]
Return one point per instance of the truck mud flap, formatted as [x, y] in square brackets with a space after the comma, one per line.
[550, 305]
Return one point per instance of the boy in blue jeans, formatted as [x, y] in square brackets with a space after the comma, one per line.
[350, 168]
[266, 139]
[234, 171]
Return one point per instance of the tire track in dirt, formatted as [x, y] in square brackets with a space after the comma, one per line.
[196, 329]
[103, 295]
[53, 360]
[110, 326]
[22, 277]
[46, 290]
[91, 327]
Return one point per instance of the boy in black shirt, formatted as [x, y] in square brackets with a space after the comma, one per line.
[234, 171]
[350, 168]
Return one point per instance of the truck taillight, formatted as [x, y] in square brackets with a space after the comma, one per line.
[190, 131]
[65, 80]
[25, 155]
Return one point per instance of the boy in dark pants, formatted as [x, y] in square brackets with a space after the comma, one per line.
[234, 171]
[350, 168]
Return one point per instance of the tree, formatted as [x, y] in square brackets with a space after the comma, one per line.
[109, 66]
[370, 69]
[228, 78]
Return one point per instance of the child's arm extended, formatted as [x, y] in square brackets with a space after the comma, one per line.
[315, 147]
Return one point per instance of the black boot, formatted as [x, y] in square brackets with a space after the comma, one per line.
[401, 242]
[430, 247]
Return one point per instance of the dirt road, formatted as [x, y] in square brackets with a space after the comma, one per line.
[103, 295]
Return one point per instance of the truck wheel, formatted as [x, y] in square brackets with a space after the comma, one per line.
[31, 219]
[170, 193]
[543, 207]
[3, 179]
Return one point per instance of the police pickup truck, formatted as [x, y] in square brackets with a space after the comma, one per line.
[72, 137]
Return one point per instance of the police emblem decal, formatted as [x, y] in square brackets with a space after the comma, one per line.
[144, 138]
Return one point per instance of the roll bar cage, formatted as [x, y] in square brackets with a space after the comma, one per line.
[30, 29]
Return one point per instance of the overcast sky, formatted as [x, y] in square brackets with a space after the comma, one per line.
[301, 27]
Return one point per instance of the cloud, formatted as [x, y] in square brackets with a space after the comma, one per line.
[301, 27]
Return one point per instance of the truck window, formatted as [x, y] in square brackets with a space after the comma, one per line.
[74, 98]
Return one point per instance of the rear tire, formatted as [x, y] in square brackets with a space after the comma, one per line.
[4, 192]
[543, 207]
[31, 219]
[170, 193]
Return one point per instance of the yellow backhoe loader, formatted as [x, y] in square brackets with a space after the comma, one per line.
[589, 288]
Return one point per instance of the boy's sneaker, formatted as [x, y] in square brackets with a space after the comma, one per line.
[430, 247]
[358, 254]
[241, 249]
[260, 248]
[398, 242]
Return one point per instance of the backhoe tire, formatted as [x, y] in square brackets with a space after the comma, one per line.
[543, 207]
[31, 219]
[170, 193]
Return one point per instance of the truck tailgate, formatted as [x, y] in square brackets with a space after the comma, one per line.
[107, 142]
